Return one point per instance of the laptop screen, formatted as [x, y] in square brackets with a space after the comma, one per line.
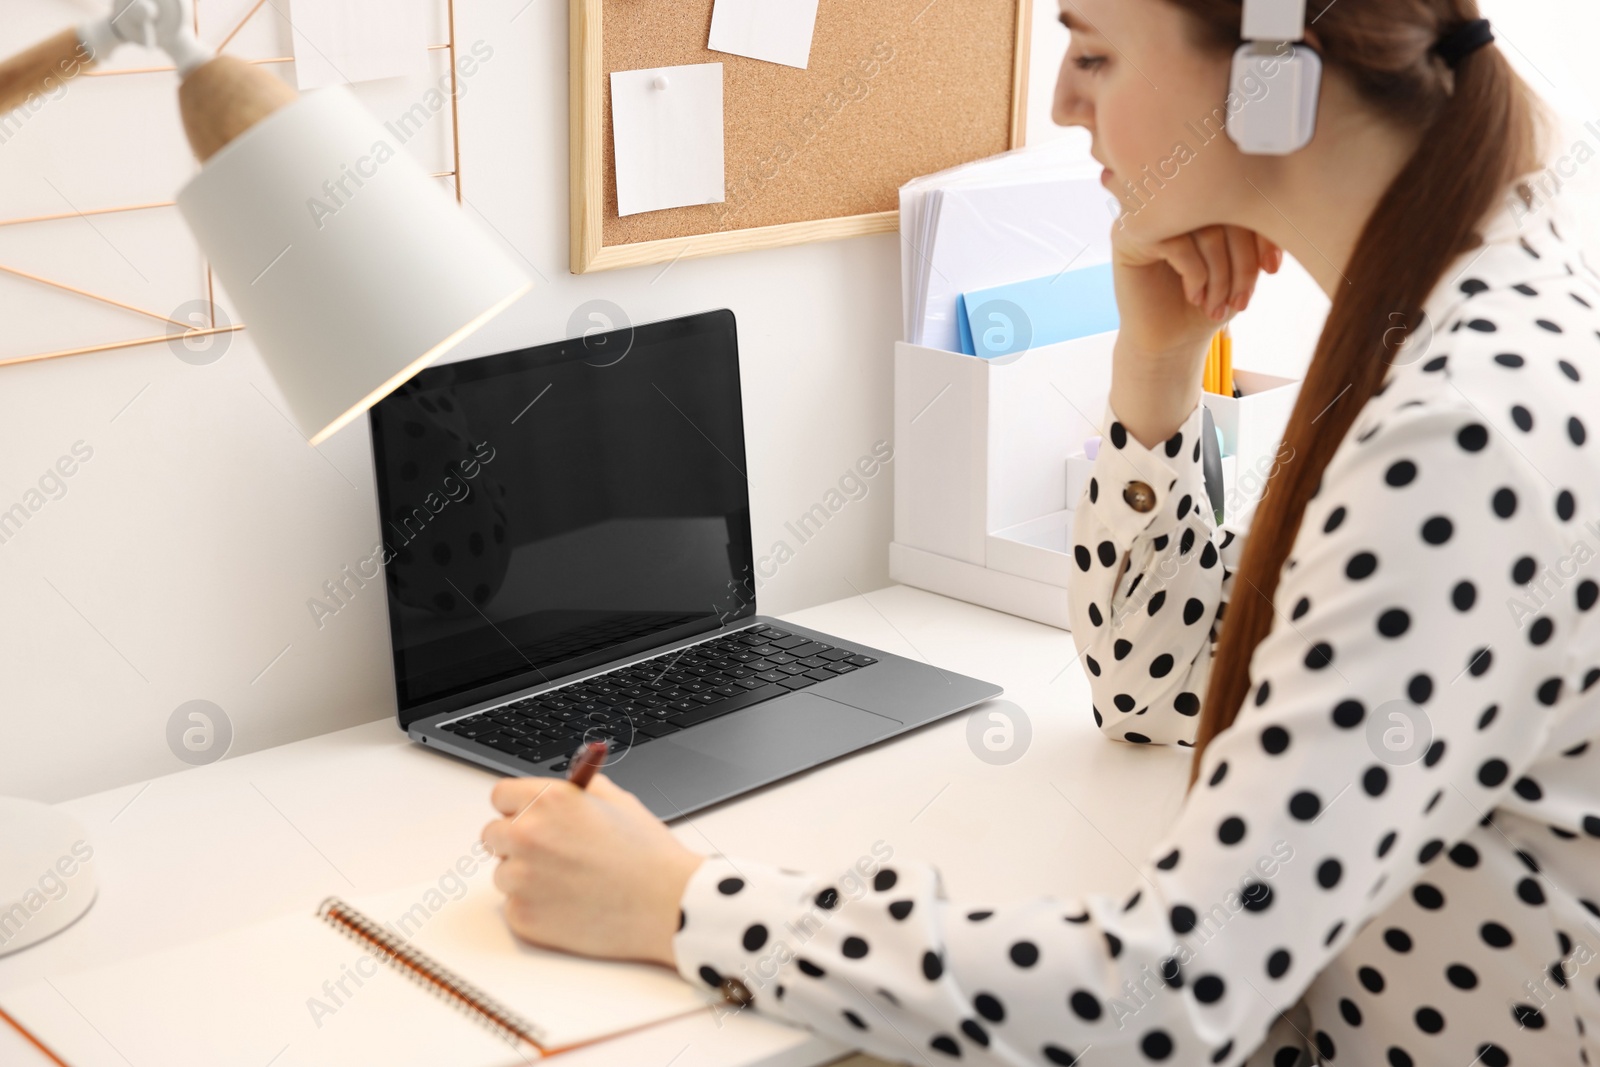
[547, 510]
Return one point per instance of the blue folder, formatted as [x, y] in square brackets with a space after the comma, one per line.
[1007, 319]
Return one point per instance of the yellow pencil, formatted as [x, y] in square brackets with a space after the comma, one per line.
[1227, 363]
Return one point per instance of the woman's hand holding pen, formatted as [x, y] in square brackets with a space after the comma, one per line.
[588, 870]
[1173, 295]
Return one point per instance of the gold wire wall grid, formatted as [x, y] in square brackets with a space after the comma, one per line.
[186, 331]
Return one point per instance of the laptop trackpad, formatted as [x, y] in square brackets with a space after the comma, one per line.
[728, 756]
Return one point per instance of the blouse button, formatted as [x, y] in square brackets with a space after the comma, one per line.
[736, 992]
[1139, 496]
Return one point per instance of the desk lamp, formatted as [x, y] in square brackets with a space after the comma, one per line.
[346, 300]
[350, 266]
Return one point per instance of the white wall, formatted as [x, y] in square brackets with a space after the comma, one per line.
[178, 564]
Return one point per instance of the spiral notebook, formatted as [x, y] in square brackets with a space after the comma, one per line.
[403, 979]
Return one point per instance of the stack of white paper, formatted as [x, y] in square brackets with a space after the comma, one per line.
[1008, 218]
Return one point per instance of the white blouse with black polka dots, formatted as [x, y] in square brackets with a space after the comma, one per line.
[1410, 788]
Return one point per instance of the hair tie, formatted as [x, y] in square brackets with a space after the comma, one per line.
[1464, 40]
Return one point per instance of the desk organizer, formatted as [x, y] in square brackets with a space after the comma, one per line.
[989, 462]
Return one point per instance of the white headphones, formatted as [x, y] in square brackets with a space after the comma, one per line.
[1276, 82]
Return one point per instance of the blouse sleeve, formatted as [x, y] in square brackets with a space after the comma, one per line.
[1151, 577]
[1382, 723]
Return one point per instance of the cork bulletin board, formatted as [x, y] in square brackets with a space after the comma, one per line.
[895, 89]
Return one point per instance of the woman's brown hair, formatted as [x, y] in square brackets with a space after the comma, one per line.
[1482, 132]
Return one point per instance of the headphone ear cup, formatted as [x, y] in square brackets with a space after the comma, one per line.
[1273, 96]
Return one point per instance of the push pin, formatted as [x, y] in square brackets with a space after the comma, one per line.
[660, 82]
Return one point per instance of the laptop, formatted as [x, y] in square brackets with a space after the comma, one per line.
[567, 553]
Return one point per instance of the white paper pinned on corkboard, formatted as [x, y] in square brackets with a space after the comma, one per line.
[667, 136]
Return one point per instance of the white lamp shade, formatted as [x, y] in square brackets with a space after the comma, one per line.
[351, 267]
[47, 875]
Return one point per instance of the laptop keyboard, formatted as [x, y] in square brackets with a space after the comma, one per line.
[657, 697]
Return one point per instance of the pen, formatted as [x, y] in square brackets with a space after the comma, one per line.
[585, 763]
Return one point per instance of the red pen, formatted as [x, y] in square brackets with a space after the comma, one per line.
[586, 763]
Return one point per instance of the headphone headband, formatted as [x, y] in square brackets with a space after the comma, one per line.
[1274, 20]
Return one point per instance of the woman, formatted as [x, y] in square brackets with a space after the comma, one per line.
[1409, 786]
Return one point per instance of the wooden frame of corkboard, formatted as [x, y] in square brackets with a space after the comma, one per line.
[894, 89]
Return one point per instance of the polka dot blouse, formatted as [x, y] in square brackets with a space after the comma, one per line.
[1393, 856]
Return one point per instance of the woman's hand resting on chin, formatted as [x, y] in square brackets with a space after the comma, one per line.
[1178, 292]
[588, 871]
[1172, 295]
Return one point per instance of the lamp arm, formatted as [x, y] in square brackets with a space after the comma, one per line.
[43, 69]
[220, 96]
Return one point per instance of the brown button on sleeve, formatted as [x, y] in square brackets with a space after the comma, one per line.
[1136, 491]
[736, 992]
[1139, 496]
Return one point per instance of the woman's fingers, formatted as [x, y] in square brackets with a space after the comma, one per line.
[520, 800]
[606, 789]
[529, 804]
[1184, 258]
[508, 875]
[500, 837]
[1213, 250]
[1271, 255]
[523, 918]
[1243, 253]
[510, 796]
[1218, 266]
[526, 918]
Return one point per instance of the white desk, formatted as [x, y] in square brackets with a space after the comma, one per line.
[363, 810]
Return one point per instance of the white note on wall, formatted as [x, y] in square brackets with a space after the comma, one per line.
[339, 41]
[666, 125]
[778, 31]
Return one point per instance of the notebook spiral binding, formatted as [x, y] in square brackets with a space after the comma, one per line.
[430, 974]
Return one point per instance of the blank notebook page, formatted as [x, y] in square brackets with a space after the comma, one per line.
[296, 992]
[246, 997]
[571, 1000]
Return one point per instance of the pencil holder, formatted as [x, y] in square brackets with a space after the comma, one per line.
[1252, 428]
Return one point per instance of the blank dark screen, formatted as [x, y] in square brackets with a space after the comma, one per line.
[544, 510]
